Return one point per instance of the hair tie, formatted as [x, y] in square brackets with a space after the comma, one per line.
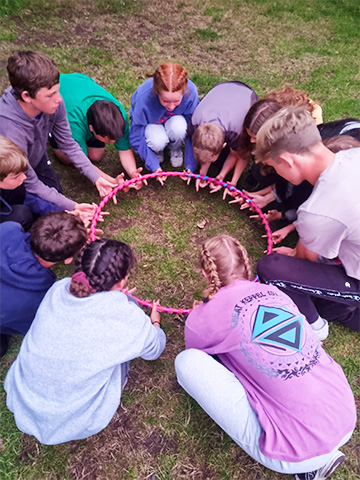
[80, 277]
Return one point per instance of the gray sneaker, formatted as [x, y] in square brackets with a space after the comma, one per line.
[325, 471]
[160, 156]
[176, 158]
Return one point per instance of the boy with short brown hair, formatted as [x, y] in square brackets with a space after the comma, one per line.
[26, 258]
[208, 141]
[221, 111]
[31, 109]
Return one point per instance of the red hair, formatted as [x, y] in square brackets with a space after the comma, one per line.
[170, 77]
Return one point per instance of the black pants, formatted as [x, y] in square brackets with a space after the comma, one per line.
[12, 208]
[316, 288]
[46, 173]
[93, 143]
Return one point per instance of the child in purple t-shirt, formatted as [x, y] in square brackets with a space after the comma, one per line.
[271, 385]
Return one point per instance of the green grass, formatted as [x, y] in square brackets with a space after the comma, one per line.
[314, 45]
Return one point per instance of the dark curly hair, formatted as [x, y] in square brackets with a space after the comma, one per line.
[105, 262]
[57, 236]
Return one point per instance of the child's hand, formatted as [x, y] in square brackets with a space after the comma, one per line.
[129, 290]
[199, 183]
[104, 187]
[270, 216]
[86, 211]
[98, 232]
[155, 315]
[197, 303]
[124, 290]
[238, 199]
[215, 187]
[260, 200]
[160, 179]
[290, 252]
[282, 233]
[232, 193]
[185, 178]
[136, 173]
[120, 180]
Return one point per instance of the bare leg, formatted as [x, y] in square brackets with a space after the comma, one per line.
[95, 154]
[62, 156]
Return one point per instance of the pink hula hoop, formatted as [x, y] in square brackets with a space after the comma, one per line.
[179, 311]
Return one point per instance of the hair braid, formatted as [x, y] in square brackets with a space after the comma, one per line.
[245, 260]
[170, 77]
[224, 260]
[209, 266]
[104, 262]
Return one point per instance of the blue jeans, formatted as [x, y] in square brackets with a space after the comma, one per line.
[222, 396]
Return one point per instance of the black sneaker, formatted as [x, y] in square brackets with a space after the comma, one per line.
[4, 343]
[325, 471]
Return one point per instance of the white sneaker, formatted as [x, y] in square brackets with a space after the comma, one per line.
[320, 328]
[176, 158]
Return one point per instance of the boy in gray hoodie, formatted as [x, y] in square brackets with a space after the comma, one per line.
[31, 109]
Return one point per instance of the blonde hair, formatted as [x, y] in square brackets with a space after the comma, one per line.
[170, 77]
[12, 158]
[296, 98]
[223, 260]
[290, 130]
[208, 139]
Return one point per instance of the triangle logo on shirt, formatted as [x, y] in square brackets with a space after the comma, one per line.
[277, 327]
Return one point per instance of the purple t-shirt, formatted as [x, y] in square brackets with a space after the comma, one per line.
[226, 106]
[299, 393]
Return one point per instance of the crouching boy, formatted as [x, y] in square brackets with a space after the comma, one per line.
[26, 258]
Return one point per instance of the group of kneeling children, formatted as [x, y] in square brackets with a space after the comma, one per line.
[254, 359]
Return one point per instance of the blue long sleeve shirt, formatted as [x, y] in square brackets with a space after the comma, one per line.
[23, 280]
[146, 109]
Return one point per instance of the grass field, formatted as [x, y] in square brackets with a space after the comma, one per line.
[159, 432]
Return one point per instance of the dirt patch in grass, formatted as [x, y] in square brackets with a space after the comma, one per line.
[30, 449]
[153, 36]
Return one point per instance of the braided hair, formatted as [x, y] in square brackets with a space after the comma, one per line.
[224, 260]
[104, 263]
[170, 77]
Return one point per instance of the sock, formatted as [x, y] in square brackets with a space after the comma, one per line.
[319, 323]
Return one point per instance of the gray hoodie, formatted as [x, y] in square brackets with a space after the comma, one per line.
[31, 134]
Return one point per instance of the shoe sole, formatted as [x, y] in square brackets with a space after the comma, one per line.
[337, 461]
[330, 468]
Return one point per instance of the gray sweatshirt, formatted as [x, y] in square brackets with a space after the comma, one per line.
[31, 134]
[65, 384]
